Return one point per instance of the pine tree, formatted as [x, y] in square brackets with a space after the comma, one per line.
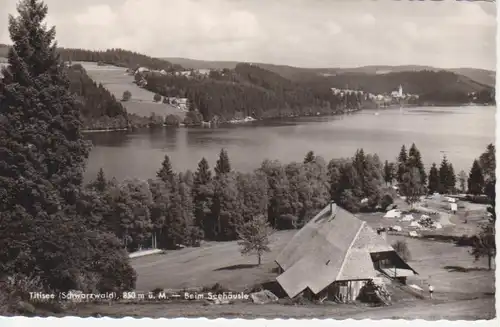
[475, 183]
[452, 179]
[462, 180]
[166, 173]
[101, 182]
[309, 157]
[42, 160]
[415, 161]
[388, 172]
[203, 175]
[223, 165]
[444, 176]
[434, 179]
[488, 162]
[402, 161]
[411, 187]
[202, 194]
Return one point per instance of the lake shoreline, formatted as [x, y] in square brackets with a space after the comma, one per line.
[235, 122]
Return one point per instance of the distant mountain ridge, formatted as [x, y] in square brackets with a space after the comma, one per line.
[482, 76]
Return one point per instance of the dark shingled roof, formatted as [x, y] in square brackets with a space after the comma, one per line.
[333, 246]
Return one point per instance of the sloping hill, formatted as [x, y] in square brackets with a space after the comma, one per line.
[481, 76]
[116, 80]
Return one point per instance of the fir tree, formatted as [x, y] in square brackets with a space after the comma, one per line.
[434, 179]
[444, 176]
[452, 179]
[101, 182]
[475, 183]
[415, 161]
[166, 173]
[203, 175]
[388, 172]
[309, 157]
[42, 159]
[462, 181]
[402, 161]
[411, 187]
[223, 165]
[202, 194]
[488, 162]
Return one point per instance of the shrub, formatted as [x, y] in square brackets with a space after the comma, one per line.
[156, 291]
[386, 201]
[172, 120]
[126, 96]
[157, 97]
[401, 248]
[216, 288]
[285, 222]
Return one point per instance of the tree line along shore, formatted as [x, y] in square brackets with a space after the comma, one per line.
[57, 234]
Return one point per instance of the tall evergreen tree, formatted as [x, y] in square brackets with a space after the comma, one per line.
[462, 181]
[42, 160]
[415, 161]
[488, 162]
[434, 180]
[202, 194]
[309, 157]
[101, 182]
[452, 179]
[475, 183]
[223, 165]
[411, 187]
[388, 172]
[402, 161]
[445, 178]
[166, 173]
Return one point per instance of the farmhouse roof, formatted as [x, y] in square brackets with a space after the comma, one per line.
[333, 246]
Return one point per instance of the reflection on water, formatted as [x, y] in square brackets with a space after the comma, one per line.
[460, 133]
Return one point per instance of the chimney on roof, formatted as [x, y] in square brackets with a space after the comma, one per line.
[332, 206]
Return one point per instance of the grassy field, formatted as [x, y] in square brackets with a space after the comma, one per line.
[214, 262]
[117, 81]
[464, 289]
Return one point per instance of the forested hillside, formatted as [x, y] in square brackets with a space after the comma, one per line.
[481, 76]
[99, 108]
[249, 90]
[117, 57]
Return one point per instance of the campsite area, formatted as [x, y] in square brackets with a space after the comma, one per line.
[464, 288]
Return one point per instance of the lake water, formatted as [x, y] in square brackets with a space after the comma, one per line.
[459, 133]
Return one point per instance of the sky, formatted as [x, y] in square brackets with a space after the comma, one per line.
[305, 33]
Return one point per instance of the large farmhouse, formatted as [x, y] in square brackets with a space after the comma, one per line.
[335, 255]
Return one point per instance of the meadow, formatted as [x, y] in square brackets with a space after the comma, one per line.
[116, 81]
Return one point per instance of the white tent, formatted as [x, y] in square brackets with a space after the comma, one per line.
[397, 228]
[414, 224]
[413, 234]
[453, 207]
[407, 218]
[394, 213]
